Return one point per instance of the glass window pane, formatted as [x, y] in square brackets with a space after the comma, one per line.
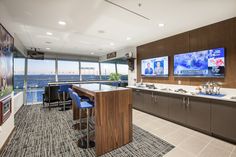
[68, 71]
[89, 71]
[106, 70]
[19, 72]
[40, 73]
[123, 70]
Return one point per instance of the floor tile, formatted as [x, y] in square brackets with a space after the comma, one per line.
[222, 144]
[164, 131]
[176, 152]
[177, 137]
[212, 151]
[193, 145]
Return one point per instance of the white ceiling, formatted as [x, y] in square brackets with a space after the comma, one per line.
[84, 18]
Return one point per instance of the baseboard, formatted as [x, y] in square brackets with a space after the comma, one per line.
[8, 138]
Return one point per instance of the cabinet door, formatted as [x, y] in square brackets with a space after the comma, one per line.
[199, 113]
[141, 100]
[146, 102]
[162, 105]
[223, 119]
[177, 110]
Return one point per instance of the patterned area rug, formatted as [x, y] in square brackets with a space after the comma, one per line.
[43, 133]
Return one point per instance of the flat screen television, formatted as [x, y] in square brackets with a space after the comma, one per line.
[6, 62]
[155, 67]
[206, 63]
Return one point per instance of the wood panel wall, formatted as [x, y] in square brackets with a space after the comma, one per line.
[221, 34]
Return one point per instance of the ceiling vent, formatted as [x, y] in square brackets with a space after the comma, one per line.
[126, 9]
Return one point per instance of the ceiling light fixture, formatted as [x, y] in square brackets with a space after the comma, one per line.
[161, 24]
[101, 31]
[63, 23]
[49, 33]
[112, 44]
[48, 48]
[91, 53]
[48, 42]
[128, 38]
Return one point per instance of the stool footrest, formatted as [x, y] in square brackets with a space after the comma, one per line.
[83, 144]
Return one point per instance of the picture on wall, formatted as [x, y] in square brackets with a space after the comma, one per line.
[6, 62]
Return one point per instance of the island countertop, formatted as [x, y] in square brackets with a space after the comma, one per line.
[96, 87]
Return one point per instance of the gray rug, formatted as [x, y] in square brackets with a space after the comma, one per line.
[43, 133]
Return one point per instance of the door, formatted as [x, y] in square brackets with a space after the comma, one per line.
[177, 110]
[198, 113]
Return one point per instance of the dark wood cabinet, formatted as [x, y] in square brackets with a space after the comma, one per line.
[223, 120]
[142, 100]
[177, 109]
[202, 114]
[198, 113]
[161, 105]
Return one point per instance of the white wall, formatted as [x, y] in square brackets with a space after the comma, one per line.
[121, 53]
[18, 101]
[8, 126]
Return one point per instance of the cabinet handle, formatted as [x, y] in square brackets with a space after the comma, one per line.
[183, 100]
[188, 103]
[156, 98]
[137, 90]
[152, 94]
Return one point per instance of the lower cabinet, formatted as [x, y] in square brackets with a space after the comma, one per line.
[199, 113]
[161, 105]
[206, 115]
[223, 120]
[177, 109]
[142, 100]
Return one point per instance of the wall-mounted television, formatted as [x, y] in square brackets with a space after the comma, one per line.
[155, 67]
[6, 62]
[206, 63]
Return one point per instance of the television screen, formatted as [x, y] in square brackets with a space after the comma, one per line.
[155, 67]
[6, 62]
[206, 63]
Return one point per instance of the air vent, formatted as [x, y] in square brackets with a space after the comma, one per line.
[126, 9]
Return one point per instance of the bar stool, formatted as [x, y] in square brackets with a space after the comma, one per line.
[83, 98]
[84, 105]
[63, 89]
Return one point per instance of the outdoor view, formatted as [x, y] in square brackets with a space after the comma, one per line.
[41, 72]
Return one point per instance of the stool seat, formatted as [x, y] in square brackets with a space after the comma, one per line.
[85, 104]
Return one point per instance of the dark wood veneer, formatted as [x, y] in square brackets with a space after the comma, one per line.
[221, 34]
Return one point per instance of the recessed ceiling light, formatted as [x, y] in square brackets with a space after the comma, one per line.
[48, 42]
[48, 48]
[63, 23]
[49, 33]
[161, 24]
[112, 44]
[128, 38]
[101, 31]
[91, 53]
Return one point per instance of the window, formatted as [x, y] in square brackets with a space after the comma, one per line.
[40, 73]
[68, 71]
[90, 71]
[123, 70]
[19, 74]
[106, 70]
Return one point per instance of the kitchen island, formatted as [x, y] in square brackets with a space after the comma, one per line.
[113, 115]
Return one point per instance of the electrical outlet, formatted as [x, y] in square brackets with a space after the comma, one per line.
[179, 82]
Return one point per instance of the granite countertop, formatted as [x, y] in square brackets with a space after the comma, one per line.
[170, 91]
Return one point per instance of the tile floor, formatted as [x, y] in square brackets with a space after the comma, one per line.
[187, 142]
